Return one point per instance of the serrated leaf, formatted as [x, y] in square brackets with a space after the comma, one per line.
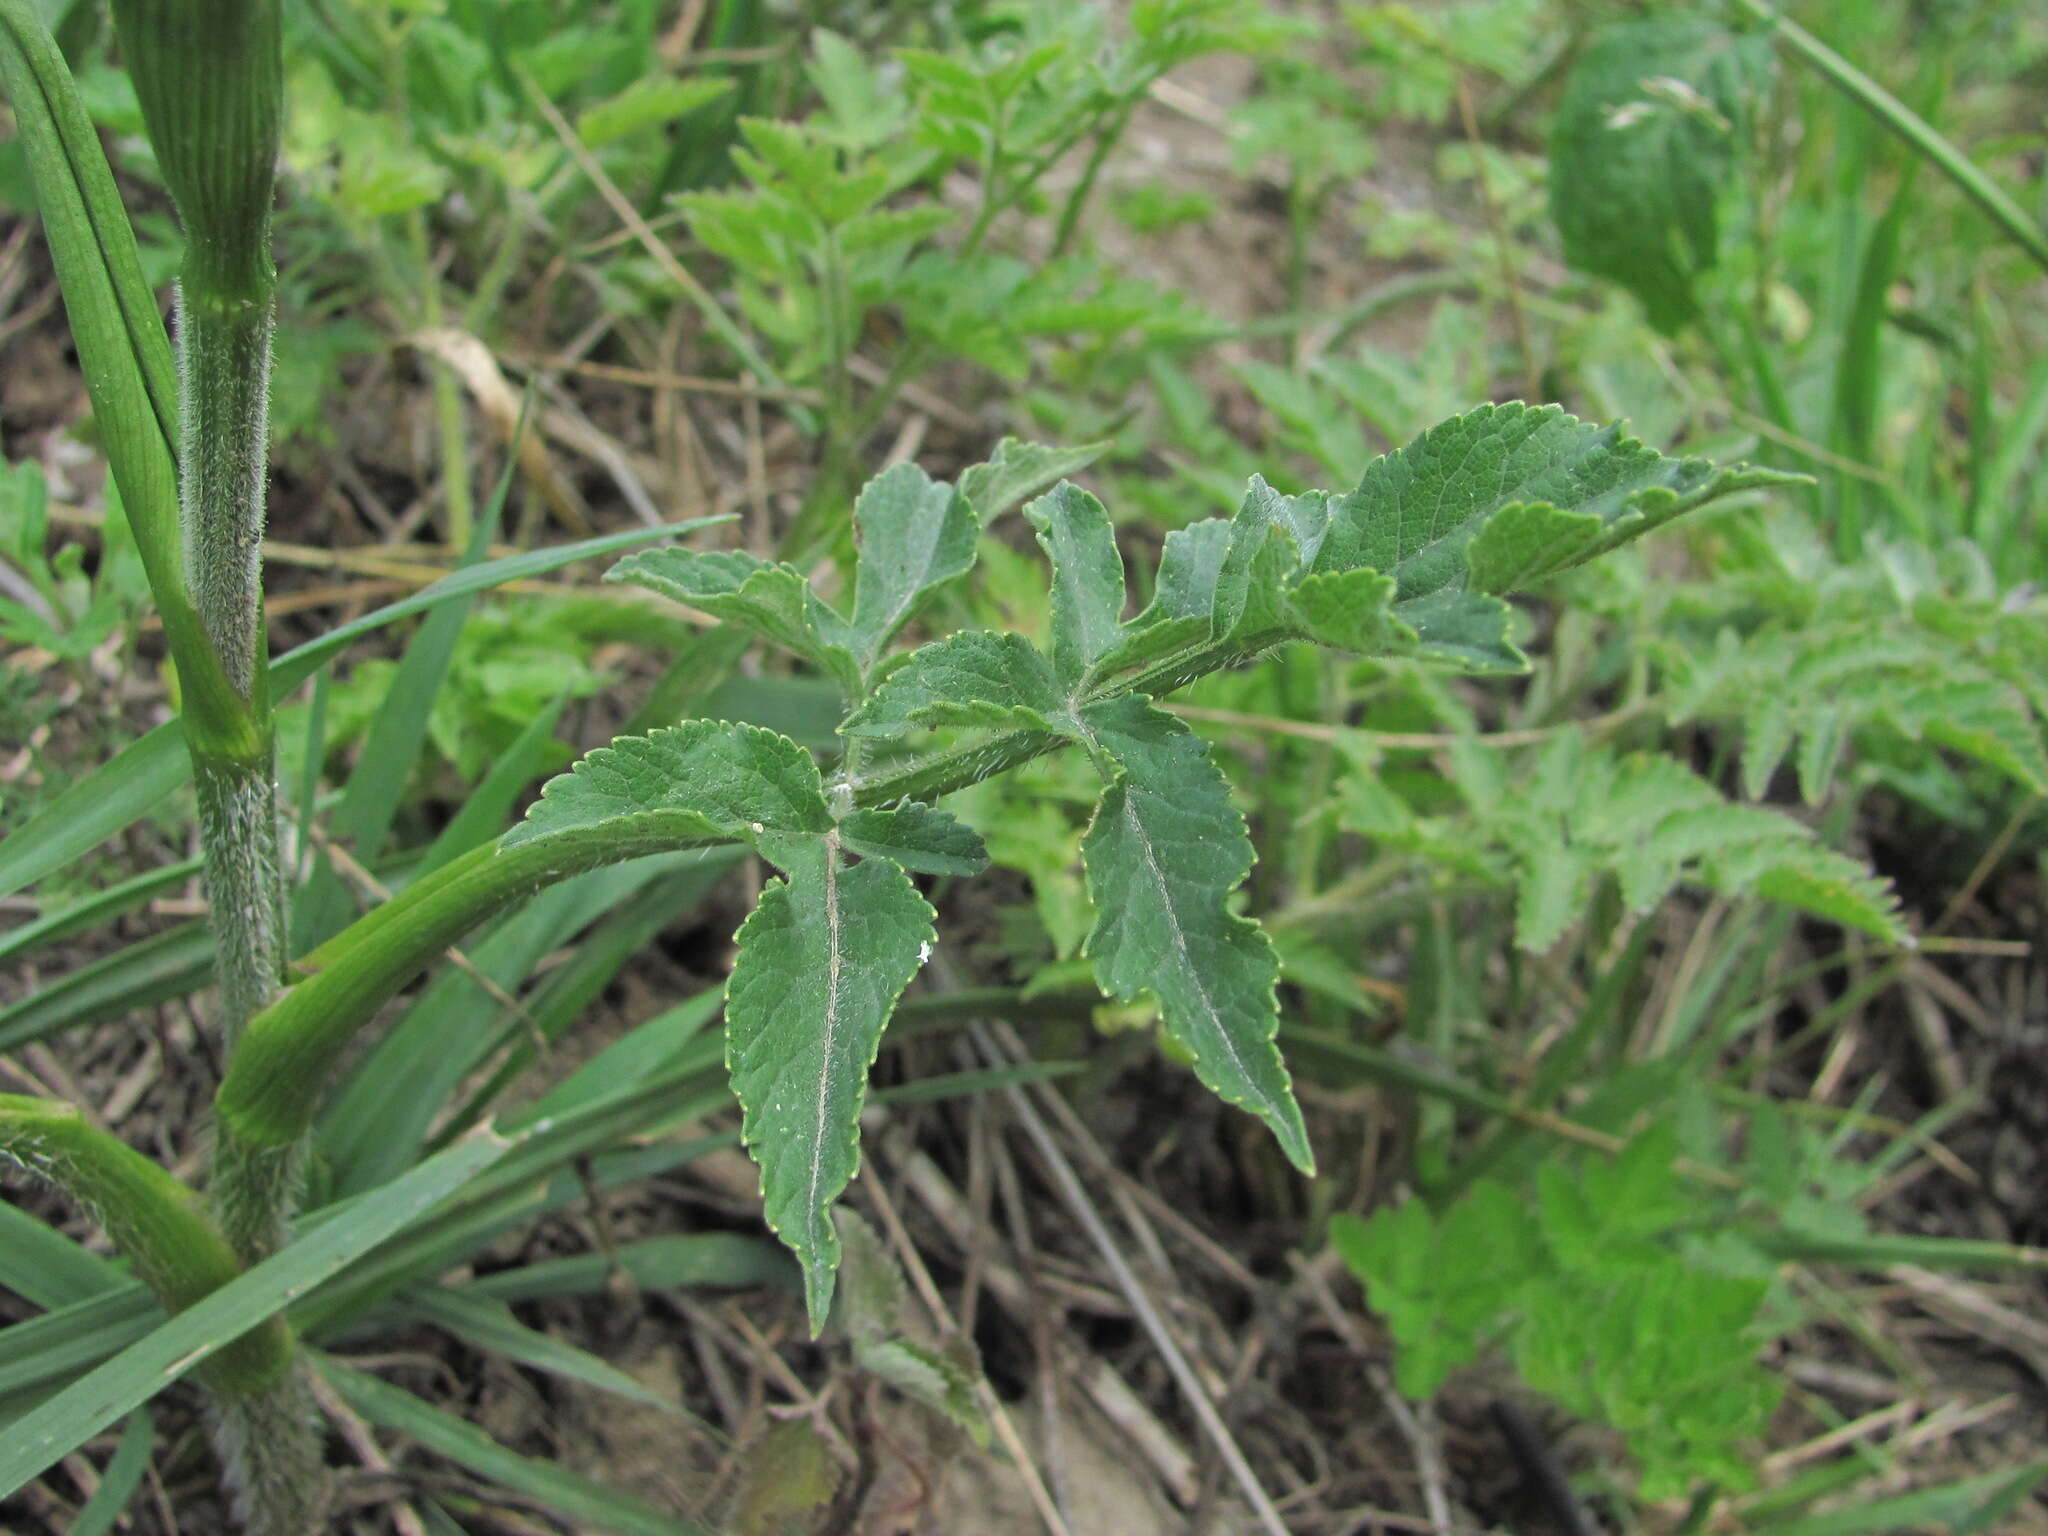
[1443, 1286]
[917, 836]
[821, 963]
[1019, 469]
[973, 678]
[1350, 610]
[1468, 630]
[1645, 142]
[869, 1304]
[1182, 612]
[1222, 580]
[1305, 518]
[1506, 493]
[936, 1379]
[1163, 855]
[707, 779]
[1820, 881]
[863, 108]
[1087, 578]
[773, 601]
[916, 534]
[1766, 738]
[647, 103]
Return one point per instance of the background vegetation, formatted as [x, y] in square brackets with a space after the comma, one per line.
[1665, 1018]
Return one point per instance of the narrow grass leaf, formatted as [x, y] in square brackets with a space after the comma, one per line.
[48, 1268]
[122, 1477]
[169, 964]
[1957, 1506]
[99, 907]
[706, 1260]
[148, 771]
[145, 1368]
[75, 1337]
[490, 1325]
[467, 1446]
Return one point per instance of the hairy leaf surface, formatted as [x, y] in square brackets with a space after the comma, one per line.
[705, 778]
[917, 836]
[773, 601]
[1504, 494]
[821, 963]
[1019, 469]
[1645, 142]
[1163, 855]
[916, 534]
[974, 678]
[1087, 578]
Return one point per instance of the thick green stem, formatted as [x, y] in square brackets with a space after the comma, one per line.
[223, 339]
[244, 883]
[156, 1223]
[270, 1456]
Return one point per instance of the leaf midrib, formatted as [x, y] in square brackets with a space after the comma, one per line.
[828, 1035]
[1175, 926]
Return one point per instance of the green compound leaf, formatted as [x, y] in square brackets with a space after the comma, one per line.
[1019, 469]
[975, 678]
[1087, 579]
[773, 601]
[917, 836]
[916, 534]
[1163, 854]
[1444, 1287]
[821, 964]
[1495, 498]
[1645, 142]
[707, 779]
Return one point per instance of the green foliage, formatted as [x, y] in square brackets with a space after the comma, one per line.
[917, 186]
[1589, 1290]
[1871, 663]
[58, 607]
[872, 1312]
[1645, 145]
[1584, 813]
[1410, 562]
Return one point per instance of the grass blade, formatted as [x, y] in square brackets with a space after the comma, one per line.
[42, 1264]
[98, 908]
[490, 1325]
[580, 1499]
[148, 771]
[146, 1367]
[1909, 125]
[163, 966]
[712, 1260]
[122, 1477]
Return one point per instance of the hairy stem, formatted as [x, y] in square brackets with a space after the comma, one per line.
[271, 1458]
